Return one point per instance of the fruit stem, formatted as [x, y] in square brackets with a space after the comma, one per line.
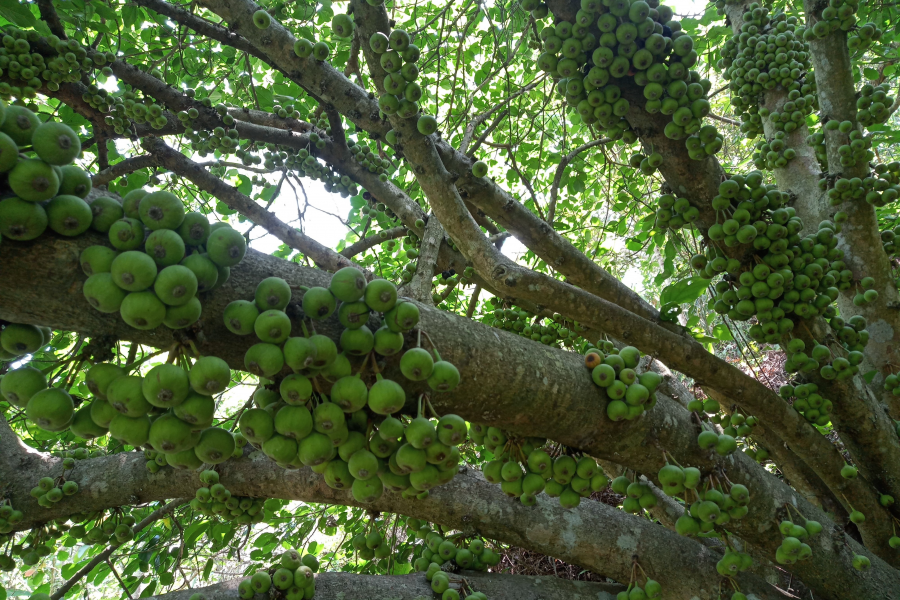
[305, 330]
[434, 412]
[375, 366]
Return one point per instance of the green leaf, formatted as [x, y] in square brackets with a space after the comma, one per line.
[21, 15]
[870, 376]
[207, 569]
[721, 332]
[684, 291]
[870, 74]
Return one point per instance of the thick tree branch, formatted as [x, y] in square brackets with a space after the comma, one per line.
[420, 285]
[51, 18]
[511, 375]
[497, 586]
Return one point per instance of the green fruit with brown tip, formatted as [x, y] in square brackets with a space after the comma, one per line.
[131, 203]
[102, 413]
[96, 259]
[19, 385]
[479, 169]
[185, 315]
[300, 353]
[165, 386]
[315, 449]
[348, 284]
[186, 460]
[294, 422]
[416, 364]
[143, 310]
[50, 409]
[21, 220]
[318, 303]
[326, 351]
[169, 435]
[444, 377]
[19, 123]
[68, 215]
[55, 143]
[281, 449]
[161, 210]
[165, 247]
[420, 433]
[104, 212]
[33, 180]
[103, 294]
[386, 397]
[451, 430]
[75, 181]
[133, 271]
[262, 20]
[387, 342]
[226, 247]
[132, 431]
[264, 359]
[272, 293]
[126, 234]
[197, 410]
[272, 326]
[295, 389]
[209, 375]
[353, 315]
[83, 425]
[215, 445]
[357, 342]
[175, 285]
[194, 229]
[100, 376]
[350, 393]
[327, 417]
[240, 317]
[257, 425]
[126, 395]
[9, 153]
[380, 295]
[204, 270]
[403, 317]
[19, 339]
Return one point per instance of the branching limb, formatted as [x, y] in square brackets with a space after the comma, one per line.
[129, 165]
[372, 241]
[420, 286]
[183, 166]
[51, 18]
[560, 171]
[104, 556]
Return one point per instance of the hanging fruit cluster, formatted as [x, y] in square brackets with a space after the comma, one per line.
[555, 331]
[839, 14]
[715, 503]
[874, 103]
[630, 393]
[650, 589]
[214, 499]
[46, 189]
[766, 53]
[526, 467]
[879, 189]
[637, 496]
[336, 434]
[792, 547]
[460, 550]
[862, 38]
[155, 279]
[633, 39]
[291, 576]
[398, 57]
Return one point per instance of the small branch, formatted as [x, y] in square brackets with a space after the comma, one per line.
[49, 16]
[724, 119]
[497, 120]
[560, 170]
[473, 301]
[183, 166]
[420, 286]
[129, 165]
[104, 556]
[525, 181]
[372, 241]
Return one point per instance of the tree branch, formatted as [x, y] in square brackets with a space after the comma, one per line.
[420, 285]
[372, 241]
[183, 166]
[51, 18]
[560, 171]
[497, 586]
[129, 165]
[104, 556]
